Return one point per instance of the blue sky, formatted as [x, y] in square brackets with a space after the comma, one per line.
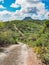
[19, 9]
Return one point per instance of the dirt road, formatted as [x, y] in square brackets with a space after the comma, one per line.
[18, 55]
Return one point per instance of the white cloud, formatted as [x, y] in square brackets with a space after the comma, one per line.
[2, 6]
[14, 5]
[5, 15]
[47, 15]
[36, 10]
[2, 1]
[4, 12]
[31, 8]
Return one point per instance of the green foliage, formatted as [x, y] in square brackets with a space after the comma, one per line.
[43, 40]
[36, 34]
[1, 24]
[45, 58]
[43, 43]
[47, 23]
[7, 37]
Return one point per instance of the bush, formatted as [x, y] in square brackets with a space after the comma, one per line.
[7, 37]
[45, 58]
[42, 41]
[47, 23]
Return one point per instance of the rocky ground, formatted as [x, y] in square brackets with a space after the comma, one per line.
[19, 54]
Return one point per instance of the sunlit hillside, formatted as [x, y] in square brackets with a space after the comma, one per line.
[35, 33]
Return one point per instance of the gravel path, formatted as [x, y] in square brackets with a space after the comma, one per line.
[18, 55]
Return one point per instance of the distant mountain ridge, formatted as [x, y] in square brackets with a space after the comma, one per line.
[27, 18]
[36, 20]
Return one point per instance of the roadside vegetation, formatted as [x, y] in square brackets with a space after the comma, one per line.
[35, 33]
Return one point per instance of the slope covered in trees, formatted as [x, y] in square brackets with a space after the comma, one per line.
[35, 33]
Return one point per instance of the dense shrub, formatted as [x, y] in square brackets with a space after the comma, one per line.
[42, 41]
[7, 37]
[45, 58]
[47, 23]
[36, 34]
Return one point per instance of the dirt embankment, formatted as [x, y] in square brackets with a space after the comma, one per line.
[19, 54]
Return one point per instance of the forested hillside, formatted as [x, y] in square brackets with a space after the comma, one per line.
[35, 33]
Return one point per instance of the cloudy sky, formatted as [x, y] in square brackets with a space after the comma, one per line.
[19, 9]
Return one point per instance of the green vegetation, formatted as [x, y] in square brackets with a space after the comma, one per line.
[32, 32]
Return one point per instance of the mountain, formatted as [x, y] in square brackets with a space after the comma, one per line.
[27, 18]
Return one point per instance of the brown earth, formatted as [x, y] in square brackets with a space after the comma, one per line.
[19, 54]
